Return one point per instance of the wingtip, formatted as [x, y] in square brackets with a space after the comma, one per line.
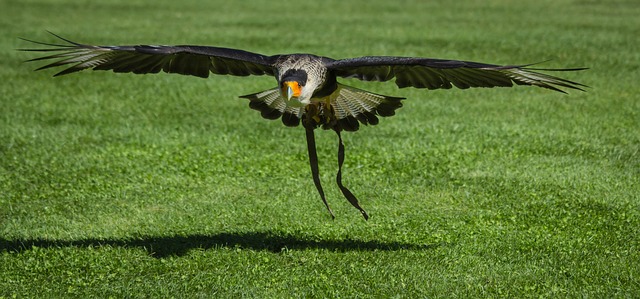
[69, 45]
[62, 38]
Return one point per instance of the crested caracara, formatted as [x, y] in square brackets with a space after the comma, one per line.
[307, 90]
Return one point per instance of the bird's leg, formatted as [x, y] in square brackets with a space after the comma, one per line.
[347, 193]
[313, 161]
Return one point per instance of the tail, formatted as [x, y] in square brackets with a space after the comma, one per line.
[352, 106]
[349, 106]
[272, 106]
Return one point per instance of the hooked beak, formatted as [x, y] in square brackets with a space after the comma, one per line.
[289, 93]
[291, 89]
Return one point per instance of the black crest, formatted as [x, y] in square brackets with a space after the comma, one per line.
[297, 75]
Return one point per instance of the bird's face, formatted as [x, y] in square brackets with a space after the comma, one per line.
[292, 91]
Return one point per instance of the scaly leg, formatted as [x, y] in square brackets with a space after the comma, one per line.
[315, 172]
[350, 197]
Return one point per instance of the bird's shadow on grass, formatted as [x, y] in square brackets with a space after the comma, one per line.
[164, 246]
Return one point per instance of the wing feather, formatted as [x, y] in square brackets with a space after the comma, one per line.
[197, 61]
[442, 74]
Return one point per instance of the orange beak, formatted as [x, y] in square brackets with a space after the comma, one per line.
[292, 89]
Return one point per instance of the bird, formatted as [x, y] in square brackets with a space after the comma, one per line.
[308, 91]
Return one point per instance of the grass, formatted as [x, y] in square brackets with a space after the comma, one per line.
[117, 185]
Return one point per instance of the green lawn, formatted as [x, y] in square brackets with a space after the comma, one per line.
[160, 186]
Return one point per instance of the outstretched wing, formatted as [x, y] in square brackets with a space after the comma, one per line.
[186, 60]
[442, 74]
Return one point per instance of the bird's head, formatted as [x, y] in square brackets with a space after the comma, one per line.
[292, 88]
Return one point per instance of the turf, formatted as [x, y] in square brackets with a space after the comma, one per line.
[159, 186]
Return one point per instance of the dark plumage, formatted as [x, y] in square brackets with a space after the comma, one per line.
[308, 91]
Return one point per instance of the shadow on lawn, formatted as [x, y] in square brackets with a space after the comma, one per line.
[180, 245]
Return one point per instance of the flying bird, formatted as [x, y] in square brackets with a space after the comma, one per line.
[307, 90]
